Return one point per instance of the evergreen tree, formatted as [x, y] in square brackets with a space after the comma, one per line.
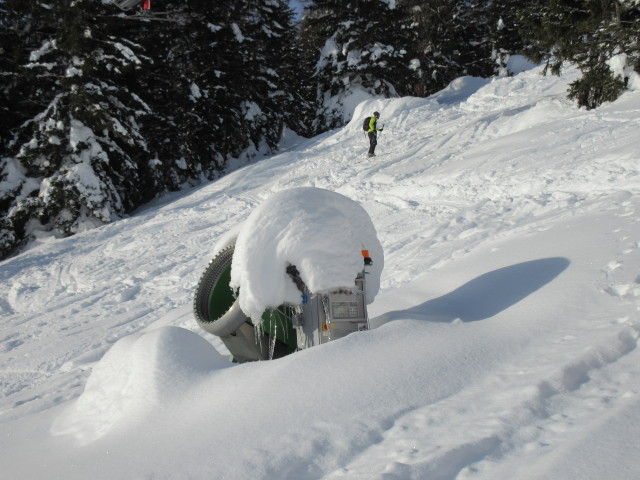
[106, 109]
[452, 38]
[359, 46]
[504, 33]
[219, 85]
[281, 61]
[588, 33]
[75, 162]
[193, 129]
[270, 61]
[22, 29]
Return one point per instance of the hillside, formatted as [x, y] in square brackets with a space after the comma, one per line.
[507, 321]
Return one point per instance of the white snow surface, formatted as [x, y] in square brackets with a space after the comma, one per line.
[319, 231]
[507, 319]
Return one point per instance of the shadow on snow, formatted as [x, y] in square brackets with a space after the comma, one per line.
[487, 295]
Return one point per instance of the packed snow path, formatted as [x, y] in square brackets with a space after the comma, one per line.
[508, 315]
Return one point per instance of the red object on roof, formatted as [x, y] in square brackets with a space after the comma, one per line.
[147, 5]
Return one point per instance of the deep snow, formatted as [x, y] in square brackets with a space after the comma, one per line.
[507, 318]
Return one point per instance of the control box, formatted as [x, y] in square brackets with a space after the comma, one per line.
[329, 316]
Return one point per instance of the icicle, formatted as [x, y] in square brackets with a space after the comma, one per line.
[258, 332]
[272, 338]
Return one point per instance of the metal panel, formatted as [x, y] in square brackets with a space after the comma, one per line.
[327, 317]
[245, 345]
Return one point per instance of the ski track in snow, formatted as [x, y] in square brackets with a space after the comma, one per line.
[493, 205]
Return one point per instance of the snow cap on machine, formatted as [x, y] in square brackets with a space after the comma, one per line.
[321, 232]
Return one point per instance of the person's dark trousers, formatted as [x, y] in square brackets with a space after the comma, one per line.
[373, 141]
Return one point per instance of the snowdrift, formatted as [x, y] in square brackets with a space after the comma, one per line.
[138, 373]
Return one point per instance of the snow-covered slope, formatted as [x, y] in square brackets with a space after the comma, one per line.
[507, 319]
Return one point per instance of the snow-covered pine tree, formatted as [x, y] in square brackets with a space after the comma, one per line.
[24, 26]
[20, 29]
[218, 86]
[191, 132]
[78, 160]
[13, 52]
[360, 49]
[452, 38]
[98, 127]
[504, 33]
[270, 61]
[279, 57]
[588, 34]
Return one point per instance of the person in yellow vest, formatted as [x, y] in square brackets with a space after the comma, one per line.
[373, 134]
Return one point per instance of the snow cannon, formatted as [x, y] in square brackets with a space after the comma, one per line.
[300, 273]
